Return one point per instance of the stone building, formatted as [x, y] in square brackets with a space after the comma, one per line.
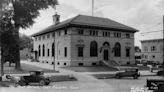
[152, 50]
[84, 41]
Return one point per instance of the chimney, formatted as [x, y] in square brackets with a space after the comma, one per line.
[56, 19]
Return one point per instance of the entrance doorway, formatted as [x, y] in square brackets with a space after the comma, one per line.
[106, 54]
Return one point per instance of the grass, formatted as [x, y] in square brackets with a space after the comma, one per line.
[91, 69]
[25, 68]
[61, 78]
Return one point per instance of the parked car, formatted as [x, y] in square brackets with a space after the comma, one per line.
[160, 72]
[130, 72]
[156, 85]
[34, 77]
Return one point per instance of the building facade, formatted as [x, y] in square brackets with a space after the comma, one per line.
[152, 50]
[85, 41]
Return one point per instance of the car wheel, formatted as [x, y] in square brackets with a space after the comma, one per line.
[135, 77]
[42, 82]
[118, 77]
[21, 83]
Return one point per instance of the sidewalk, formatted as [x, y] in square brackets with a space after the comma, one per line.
[51, 67]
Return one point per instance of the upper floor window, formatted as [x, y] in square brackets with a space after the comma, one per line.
[48, 35]
[53, 34]
[59, 33]
[39, 37]
[93, 33]
[43, 37]
[35, 38]
[118, 35]
[127, 35]
[80, 31]
[106, 34]
[161, 48]
[145, 48]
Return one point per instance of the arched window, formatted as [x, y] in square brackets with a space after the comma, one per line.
[53, 49]
[43, 48]
[93, 49]
[117, 50]
[39, 50]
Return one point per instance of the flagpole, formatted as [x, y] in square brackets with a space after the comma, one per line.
[92, 7]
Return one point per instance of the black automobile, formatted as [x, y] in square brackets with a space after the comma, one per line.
[130, 72]
[160, 72]
[34, 77]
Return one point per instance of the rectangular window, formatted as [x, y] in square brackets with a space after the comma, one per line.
[65, 31]
[80, 51]
[39, 38]
[65, 51]
[80, 31]
[127, 52]
[93, 33]
[43, 37]
[53, 34]
[145, 49]
[108, 34]
[48, 52]
[127, 35]
[35, 38]
[153, 48]
[59, 33]
[48, 35]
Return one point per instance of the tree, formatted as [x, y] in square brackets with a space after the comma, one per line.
[137, 49]
[20, 14]
[25, 42]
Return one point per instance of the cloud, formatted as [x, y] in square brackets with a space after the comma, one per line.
[144, 15]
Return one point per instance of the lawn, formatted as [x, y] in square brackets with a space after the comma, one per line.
[91, 69]
[25, 68]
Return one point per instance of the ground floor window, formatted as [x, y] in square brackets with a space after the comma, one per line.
[65, 51]
[80, 51]
[127, 52]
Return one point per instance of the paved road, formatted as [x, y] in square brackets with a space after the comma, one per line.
[85, 83]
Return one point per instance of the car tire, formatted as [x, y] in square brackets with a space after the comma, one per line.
[42, 82]
[22, 83]
[135, 77]
[118, 77]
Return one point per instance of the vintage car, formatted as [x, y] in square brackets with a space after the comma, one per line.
[157, 85]
[34, 77]
[130, 72]
[160, 72]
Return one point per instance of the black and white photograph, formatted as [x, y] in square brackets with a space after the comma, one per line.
[81, 45]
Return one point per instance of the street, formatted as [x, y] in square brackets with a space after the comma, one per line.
[87, 83]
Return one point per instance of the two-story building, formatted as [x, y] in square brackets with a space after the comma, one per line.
[152, 50]
[84, 41]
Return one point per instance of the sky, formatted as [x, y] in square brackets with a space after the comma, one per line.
[143, 15]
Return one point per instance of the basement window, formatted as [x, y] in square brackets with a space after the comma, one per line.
[81, 64]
